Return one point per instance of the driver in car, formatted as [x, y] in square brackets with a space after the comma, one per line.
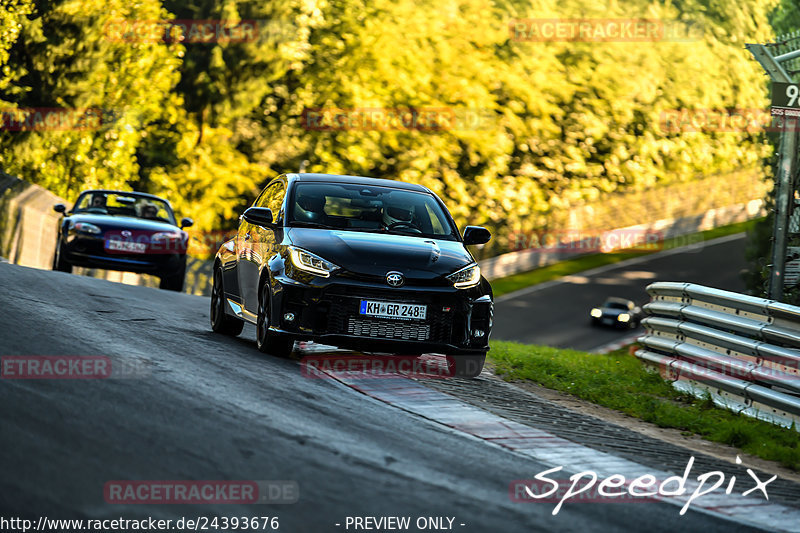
[149, 211]
[98, 201]
[398, 217]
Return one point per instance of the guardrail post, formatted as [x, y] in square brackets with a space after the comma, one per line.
[783, 201]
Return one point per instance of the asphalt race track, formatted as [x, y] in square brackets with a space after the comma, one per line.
[205, 407]
[557, 313]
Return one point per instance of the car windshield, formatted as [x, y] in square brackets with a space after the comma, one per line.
[611, 304]
[124, 205]
[369, 208]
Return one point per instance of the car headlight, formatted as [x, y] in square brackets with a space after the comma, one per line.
[166, 236]
[623, 317]
[468, 276]
[85, 227]
[169, 241]
[311, 262]
[597, 313]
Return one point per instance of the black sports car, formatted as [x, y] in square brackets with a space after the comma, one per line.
[616, 312]
[360, 263]
[127, 231]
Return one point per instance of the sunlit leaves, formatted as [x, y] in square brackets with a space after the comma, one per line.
[558, 123]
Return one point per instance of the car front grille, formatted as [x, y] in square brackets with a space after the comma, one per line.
[388, 329]
[344, 318]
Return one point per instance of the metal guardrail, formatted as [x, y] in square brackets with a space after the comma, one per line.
[742, 351]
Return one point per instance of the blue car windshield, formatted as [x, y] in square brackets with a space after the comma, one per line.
[369, 208]
[125, 205]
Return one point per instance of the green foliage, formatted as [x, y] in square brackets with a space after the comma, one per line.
[12, 14]
[757, 253]
[63, 59]
[561, 123]
[785, 18]
[570, 121]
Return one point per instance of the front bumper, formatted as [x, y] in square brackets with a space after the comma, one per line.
[457, 321]
[86, 251]
[611, 321]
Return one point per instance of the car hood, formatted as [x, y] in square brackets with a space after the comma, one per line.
[612, 311]
[108, 222]
[375, 254]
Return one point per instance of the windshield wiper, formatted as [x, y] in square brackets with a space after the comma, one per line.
[405, 233]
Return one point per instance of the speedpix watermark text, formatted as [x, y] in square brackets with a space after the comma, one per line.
[645, 486]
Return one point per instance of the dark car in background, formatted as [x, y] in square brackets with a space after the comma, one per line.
[126, 231]
[616, 312]
[359, 263]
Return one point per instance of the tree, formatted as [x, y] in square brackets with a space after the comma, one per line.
[529, 130]
[111, 93]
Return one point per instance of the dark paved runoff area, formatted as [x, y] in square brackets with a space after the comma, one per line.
[214, 408]
[557, 313]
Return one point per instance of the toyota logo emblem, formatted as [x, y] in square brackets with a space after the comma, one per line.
[125, 233]
[395, 279]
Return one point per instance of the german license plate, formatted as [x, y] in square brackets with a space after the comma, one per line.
[126, 246]
[393, 309]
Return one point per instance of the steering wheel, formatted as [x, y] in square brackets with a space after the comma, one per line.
[408, 225]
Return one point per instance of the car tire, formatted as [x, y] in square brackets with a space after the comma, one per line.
[59, 262]
[465, 366]
[174, 282]
[267, 341]
[221, 322]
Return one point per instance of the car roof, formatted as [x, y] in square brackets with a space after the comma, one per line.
[616, 300]
[357, 180]
[133, 193]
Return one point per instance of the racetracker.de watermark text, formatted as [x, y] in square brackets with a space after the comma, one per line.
[181, 31]
[729, 120]
[422, 119]
[603, 30]
[201, 492]
[375, 367]
[71, 367]
[587, 241]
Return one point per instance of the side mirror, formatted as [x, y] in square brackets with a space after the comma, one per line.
[59, 208]
[186, 222]
[476, 235]
[260, 216]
